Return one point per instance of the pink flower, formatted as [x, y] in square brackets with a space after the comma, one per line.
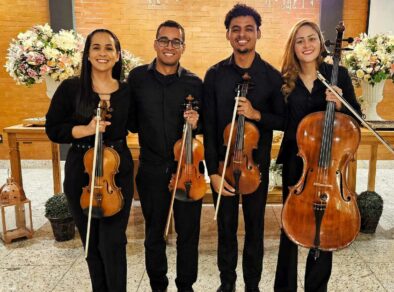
[31, 73]
[44, 69]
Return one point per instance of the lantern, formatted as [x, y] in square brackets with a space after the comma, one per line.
[13, 206]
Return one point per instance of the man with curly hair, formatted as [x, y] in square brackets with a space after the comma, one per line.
[263, 107]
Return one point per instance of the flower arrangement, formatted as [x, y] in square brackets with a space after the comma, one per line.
[129, 61]
[371, 58]
[40, 52]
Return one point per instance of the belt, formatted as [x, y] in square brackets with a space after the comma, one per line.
[118, 145]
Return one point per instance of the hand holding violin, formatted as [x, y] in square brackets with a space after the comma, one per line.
[245, 108]
[191, 117]
[89, 129]
[228, 190]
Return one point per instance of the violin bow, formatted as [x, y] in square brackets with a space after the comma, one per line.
[178, 170]
[92, 186]
[227, 154]
[349, 107]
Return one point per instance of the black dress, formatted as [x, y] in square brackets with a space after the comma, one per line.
[107, 246]
[300, 103]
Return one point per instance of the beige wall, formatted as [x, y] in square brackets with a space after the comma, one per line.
[135, 23]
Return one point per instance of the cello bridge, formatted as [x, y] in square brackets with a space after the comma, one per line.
[322, 185]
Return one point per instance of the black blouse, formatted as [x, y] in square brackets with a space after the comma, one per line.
[61, 116]
[301, 102]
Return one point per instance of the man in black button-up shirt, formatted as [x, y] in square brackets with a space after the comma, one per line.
[158, 91]
[263, 106]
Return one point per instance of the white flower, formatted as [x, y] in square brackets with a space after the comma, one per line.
[371, 58]
[39, 52]
[129, 61]
[360, 73]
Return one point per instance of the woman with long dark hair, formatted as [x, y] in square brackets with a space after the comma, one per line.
[70, 119]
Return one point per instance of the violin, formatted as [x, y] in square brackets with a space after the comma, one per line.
[101, 163]
[241, 138]
[188, 184]
[321, 211]
[242, 172]
[191, 184]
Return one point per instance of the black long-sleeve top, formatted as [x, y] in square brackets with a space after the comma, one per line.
[159, 107]
[265, 96]
[301, 102]
[62, 117]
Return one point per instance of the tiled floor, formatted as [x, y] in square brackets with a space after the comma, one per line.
[41, 264]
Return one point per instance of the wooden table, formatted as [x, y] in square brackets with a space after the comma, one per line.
[19, 134]
[369, 140]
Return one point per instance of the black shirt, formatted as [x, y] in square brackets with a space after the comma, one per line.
[61, 116]
[218, 104]
[301, 102]
[159, 112]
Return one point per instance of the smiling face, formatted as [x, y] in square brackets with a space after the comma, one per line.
[243, 34]
[167, 55]
[102, 52]
[307, 45]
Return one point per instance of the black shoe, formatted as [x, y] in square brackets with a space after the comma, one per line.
[247, 289]
[226, 288]
[159, 290]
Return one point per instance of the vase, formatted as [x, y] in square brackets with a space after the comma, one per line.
[63, 229]
[371, 96]
[51, 85]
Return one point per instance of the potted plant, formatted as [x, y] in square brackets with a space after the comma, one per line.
[370, 205]
[58, 214]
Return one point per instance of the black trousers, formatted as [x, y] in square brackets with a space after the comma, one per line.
[253, 206]
[152, 184]
[317, 273]
[107, 244]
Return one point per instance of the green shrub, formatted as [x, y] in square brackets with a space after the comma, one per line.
[370, 203]
[57, 207]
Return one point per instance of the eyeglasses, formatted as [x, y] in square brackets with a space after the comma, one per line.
[164, 42]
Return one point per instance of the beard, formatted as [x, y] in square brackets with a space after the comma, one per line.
[243, 51]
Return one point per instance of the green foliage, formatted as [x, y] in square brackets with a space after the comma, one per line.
[57, 207]
[370, 204]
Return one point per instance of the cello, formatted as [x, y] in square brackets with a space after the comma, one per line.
[320, 211]
[187, 184]
[241, 138]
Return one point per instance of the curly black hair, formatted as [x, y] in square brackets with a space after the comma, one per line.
[242, 10]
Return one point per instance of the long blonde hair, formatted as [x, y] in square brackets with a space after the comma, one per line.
[290, 64]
